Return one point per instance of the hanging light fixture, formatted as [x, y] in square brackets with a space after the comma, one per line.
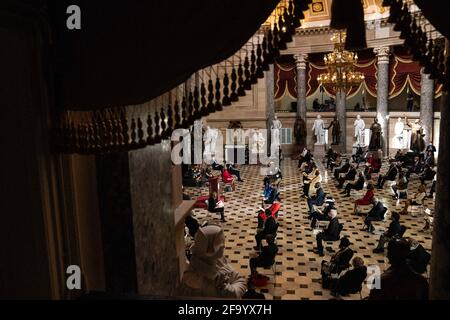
[340, 64]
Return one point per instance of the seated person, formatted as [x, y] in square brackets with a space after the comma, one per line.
[227, 178]
[331, 233]
[234, 171]
[318, 199]
[207, 174]
[319, 215]
[399, 281]
[427, 174]
[394, 230]
[428, 219]
[330, 157]
[389, 176]
[305, 156]
[274, 175]
[418, 258]
[192, 225]
[266, 257]
[351, 282]
[416, 168]
[339, 262]
[215, 205]
[373, 165]
[310, 181]
[367, 199]
[273, 196]
[270, 227]
[268, 187]
[358, 156]
[429, 158]
[308, 167]
[274, 208]
[357, 185]
[251, 293]
[349, 176]
[377, 213]
[216, 166]
[399, 156]
[400, 185]
[343, 169]
[416, 200]
[337, 162]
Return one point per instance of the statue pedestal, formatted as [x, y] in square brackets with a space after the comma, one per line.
[319, 151]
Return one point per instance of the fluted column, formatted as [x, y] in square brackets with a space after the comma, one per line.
[426, 106]
[300, 61]
[383, 94]
[341, 114]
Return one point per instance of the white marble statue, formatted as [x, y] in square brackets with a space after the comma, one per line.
[257, 142]
[210, 139]
[360, 126]
[276, 127]
[198, 129]
[209, 274]
[319, 130]
[399, 138]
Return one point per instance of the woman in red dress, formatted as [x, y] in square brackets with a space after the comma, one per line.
[367, 199]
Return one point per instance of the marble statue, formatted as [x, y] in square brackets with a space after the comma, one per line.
[417, 142]
[336, 131]
[359, 130]
[198, 129]
[319, 130]
[399, 142]
[210, 139]
[300, 132]
[208, 273]
[275, 128]
[375, 137]
[257, 142]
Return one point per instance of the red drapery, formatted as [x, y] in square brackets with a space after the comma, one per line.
[403, 71]
[285, 80]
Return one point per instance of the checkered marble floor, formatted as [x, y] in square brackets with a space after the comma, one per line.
[297, 266]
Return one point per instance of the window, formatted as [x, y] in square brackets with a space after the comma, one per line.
[286, 135]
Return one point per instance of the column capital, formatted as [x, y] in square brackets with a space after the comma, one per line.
[382, 54]
[300, 60]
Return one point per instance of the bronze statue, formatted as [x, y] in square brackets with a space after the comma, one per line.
[336, 132]
[375, 139]
[300, 132]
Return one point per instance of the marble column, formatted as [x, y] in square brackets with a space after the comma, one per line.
[426, 106]
[270, 102]
[440, 254]
[341, 113]
[155, 189]
[383, 94]
[300, 61]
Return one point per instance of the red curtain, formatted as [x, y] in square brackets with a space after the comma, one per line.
[285, 80]
[403, 71]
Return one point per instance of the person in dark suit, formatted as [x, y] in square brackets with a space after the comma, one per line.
[339, 262]
[234, 171]
[270, 227]
[391, 175]
[252, 294]
[344, 169]
[266, 257]
[351, 282]
[322, 215]
[427, 174]
[375, 214]
[349, 176]
[394, 230]
[331, 233]
[215, 205]
[416, 168]
[316, 200]
[358, 185]
[418, 258]
[399, 281]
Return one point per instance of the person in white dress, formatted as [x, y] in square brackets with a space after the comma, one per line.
[399, 141]
[276, 127]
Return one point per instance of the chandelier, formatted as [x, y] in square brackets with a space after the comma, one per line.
[340, 64]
